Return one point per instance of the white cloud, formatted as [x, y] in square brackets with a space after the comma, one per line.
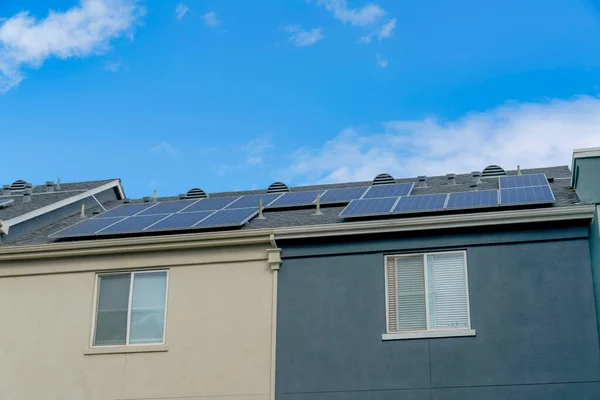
[365, 39]
[366, 15]
[81, 31]
[180, 11]
[254, 160]
[211, 20]
[530, 134]
[304, 38]
[380, 61]
[165, 148]
[113, 66]
[387, 29]
[255, 149]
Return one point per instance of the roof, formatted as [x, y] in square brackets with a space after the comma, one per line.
[564, 194]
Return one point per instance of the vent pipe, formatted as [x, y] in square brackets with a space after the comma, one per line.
[26, 195]
[518, 170]
[49, 186]
[422, 181]
[476, 177]
[260, 210]
[82, 211]
[318, 202]
[57, 187]
[451, 179]
[154, 198]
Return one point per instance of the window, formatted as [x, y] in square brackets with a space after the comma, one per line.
[427, 295]
[131, 308]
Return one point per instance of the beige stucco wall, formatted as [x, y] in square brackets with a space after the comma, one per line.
[219, 328]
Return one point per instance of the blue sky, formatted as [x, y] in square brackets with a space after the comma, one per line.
[227, 95]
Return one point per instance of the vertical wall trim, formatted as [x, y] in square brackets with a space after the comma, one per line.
[274, 262]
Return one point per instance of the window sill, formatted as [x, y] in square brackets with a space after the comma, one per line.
[150, 348]
[428, 334]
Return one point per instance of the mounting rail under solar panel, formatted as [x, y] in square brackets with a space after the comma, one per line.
[422, 203]
[478, 199]
[391, 190]
[369, 207]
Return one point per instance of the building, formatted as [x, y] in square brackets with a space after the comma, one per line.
[473, 286]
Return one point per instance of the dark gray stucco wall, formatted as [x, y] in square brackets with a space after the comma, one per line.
[532, 305]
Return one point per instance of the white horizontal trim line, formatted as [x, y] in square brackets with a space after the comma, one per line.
[62, 203]
[142, 348]
[441, 333]
[580, 212]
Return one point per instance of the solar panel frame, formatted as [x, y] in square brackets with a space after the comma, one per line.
[526, 195]
[369, 207]
[252, 200]
[473, 199]
[229, 217]
[213, 203]
[420, 203]
[528, 180]
[290, 199]
[389, 190]
[343, 195]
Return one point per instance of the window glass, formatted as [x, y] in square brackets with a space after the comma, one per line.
[113, 301]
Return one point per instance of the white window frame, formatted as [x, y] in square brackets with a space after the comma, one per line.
[428, 332]
[95, 312]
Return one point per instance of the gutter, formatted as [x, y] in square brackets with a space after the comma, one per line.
[60, 204]
[256, 236]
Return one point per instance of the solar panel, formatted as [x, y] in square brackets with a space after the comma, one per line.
[253, 200]
[296, 199]
[526, 195]
[212, 204]
[132, 224]
[5, 202]
[483, 198]
[507, 182]
[395, 190]
[343, 195]
[87, 227]
[234, 217]
[365, 207]
[126, 210]
[428, 202]
[169, 207]
[180, 221]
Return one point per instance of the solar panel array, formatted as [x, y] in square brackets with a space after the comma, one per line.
[234, 211]
[5, 202]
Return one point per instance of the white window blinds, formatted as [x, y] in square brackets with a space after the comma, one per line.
[427, 292]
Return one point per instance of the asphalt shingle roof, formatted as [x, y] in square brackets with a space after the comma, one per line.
[565, 196]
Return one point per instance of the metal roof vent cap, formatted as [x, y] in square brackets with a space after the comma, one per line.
[422, 181]
[182, 196]
[278, 187]
[476, 177]
[49, 186]
[493, 170]
[196, 193]
[27, 196]
[147, 199]
[18, 185]
[6, 189]
[474, 186]
[383, 179]
[126, 200]
[451, 179]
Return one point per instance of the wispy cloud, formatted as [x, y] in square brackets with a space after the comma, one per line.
[180, 11]
[382, 63]
[530, 134]
[113, 66]
[255, 149]
[302, 38]
[387, 29]
[211, 20]
[83, 30]
[165, 148]
[363, 16]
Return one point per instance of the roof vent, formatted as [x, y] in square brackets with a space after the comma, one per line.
[383, 179]
[126, 200]
[196, 193]
[6, 189]
[473, 186]
[451, 179]
[476, 177]
[493, 170]
[49, 186]
[147, 199]
[18, 185]
[27, 196]
[278, 187]
[422, 181]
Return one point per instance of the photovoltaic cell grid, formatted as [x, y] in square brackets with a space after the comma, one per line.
[431, 202]
[343, 195]
[394, 190]
[514, 181]
[484, 198]
[526, 195]
[365, 207]
[296, 199]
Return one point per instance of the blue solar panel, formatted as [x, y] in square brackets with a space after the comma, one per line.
[394, 190]
[365, 207]
[296, 199]
[127, 210]
[428, 202]
[168, 207]
[483, 198]
[343, 195]
[526, 195]
[132, 224]
[234, 217]
[180, 221]
[212, 204]
[514, 181]
[251, 201]
[5, 202]
[87, 227]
